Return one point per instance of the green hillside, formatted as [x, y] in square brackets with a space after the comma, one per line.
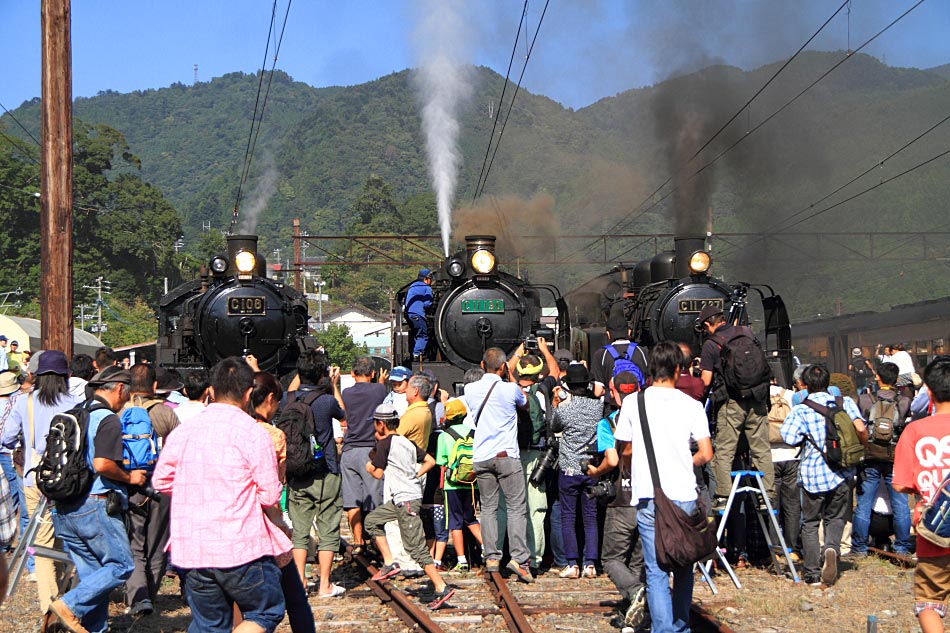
[352, 159]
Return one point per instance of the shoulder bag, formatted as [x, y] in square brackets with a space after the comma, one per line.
[680, 539]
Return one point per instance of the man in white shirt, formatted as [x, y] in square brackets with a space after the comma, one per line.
[674, 419]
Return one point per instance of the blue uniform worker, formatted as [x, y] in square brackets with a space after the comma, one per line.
[418, 300]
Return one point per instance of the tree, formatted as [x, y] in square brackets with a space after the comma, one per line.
[340, 347]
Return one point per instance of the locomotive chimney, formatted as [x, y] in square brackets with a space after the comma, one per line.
[685, 247]
[479, 243]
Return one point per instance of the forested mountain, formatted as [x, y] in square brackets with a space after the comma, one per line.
[352, 160]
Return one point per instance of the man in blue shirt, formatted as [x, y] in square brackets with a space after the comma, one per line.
[496, 458]
[826, 492]
[96, 540]
[418, 301]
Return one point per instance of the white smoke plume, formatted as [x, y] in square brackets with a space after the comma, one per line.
[260, 195]
[443, 85]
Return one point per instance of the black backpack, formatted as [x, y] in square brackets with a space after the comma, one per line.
[745, 369]
[297, 423]
[64, 474]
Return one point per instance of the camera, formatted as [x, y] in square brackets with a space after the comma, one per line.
[546, 464]
[531, 344]
[605, 490]
[695, 370]
[593, 458]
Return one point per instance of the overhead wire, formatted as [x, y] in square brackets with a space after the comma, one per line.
[22, 127]
[248, 151]
[504, 88]
[513, 97]
[637, 212]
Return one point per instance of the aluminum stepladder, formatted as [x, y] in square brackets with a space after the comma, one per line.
[25, 548]
[757, 489]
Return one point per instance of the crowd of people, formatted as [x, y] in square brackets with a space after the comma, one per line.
[238, 484]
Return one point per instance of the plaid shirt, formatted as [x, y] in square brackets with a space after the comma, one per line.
[814, 473]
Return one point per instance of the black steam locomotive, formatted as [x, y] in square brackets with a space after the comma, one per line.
[476, 306]
[233, 310]
[661, 298]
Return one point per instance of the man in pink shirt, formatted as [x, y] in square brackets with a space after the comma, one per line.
[222, 473]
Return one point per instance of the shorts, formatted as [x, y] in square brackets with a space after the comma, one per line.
[254, 587]
[433, 523]
[461, 509]
[932, 584]
[360, 489]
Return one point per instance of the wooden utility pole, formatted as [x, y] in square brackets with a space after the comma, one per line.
[297, 266]
[56, 220]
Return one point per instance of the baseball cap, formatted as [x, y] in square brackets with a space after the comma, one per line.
[112, 373]
[708, 312]
[398, 374]
[856, 351]
[8, 383]
[626, 382]
[3, 337]
[385, 412]
[424, 272]
[167, 381]
[17, 343]
[563, 356]
[52, 361]
[455, 408]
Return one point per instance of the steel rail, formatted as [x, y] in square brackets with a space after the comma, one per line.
[515, 618]
[894, 557]
[703, 621]
[403, 606]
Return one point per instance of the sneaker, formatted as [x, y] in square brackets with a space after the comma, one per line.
[854, 555]
[462, 567]
[633, 617]
[590, 571]
[521, 572]
[386, 571]
[59, 611]
[492, 566]
[141, 609]
[440, 598]
[829, 569]
[719, 504]
[570, 571]
[813, 581]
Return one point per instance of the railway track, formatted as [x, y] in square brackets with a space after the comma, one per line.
[482, 597]
[900, 559]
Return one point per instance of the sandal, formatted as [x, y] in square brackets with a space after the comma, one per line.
[335, 592]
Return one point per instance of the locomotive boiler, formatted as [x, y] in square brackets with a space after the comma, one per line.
[233, 309]
[661, 298]
[476, 306]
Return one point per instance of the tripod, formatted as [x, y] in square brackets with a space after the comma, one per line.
[26, 547]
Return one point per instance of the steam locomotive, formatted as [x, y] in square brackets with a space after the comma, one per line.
[661, 298]
[233, 309]
[476, 306]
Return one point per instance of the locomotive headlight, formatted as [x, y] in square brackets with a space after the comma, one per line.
[483, 261]
[219, 264]
[699, 262]
[245, 261]
[456, 268]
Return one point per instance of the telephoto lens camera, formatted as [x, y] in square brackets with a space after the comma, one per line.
[593, 458]
[604, 490]
[546, 464]
[695, 370]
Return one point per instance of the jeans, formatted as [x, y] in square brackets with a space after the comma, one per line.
[622, 554]
[571, 488]
[99, 547]
[254, 587]
[299, 612]
[9, 471]
[668, 613]
[874, 472]
[557, 536]
[506, 475]
[422, 333]
[789, 495]
[831, 507]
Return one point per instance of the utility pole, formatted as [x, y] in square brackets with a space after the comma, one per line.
[297, 267]
[102, 287]
[56, 199]
[196, 73]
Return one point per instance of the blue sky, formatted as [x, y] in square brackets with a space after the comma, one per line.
[587, 49]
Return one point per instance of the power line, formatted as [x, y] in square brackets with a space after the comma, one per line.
[637, 212]
[17, 121]
[251, 139]
[513, 97]
[504, 88]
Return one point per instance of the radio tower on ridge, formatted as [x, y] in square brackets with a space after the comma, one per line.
[196, 73]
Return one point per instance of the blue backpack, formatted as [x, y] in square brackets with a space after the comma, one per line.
[139, 440]
[625, 362]
[934, 522]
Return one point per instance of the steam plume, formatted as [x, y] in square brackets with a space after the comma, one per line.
[258, 198]
[443, 86]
